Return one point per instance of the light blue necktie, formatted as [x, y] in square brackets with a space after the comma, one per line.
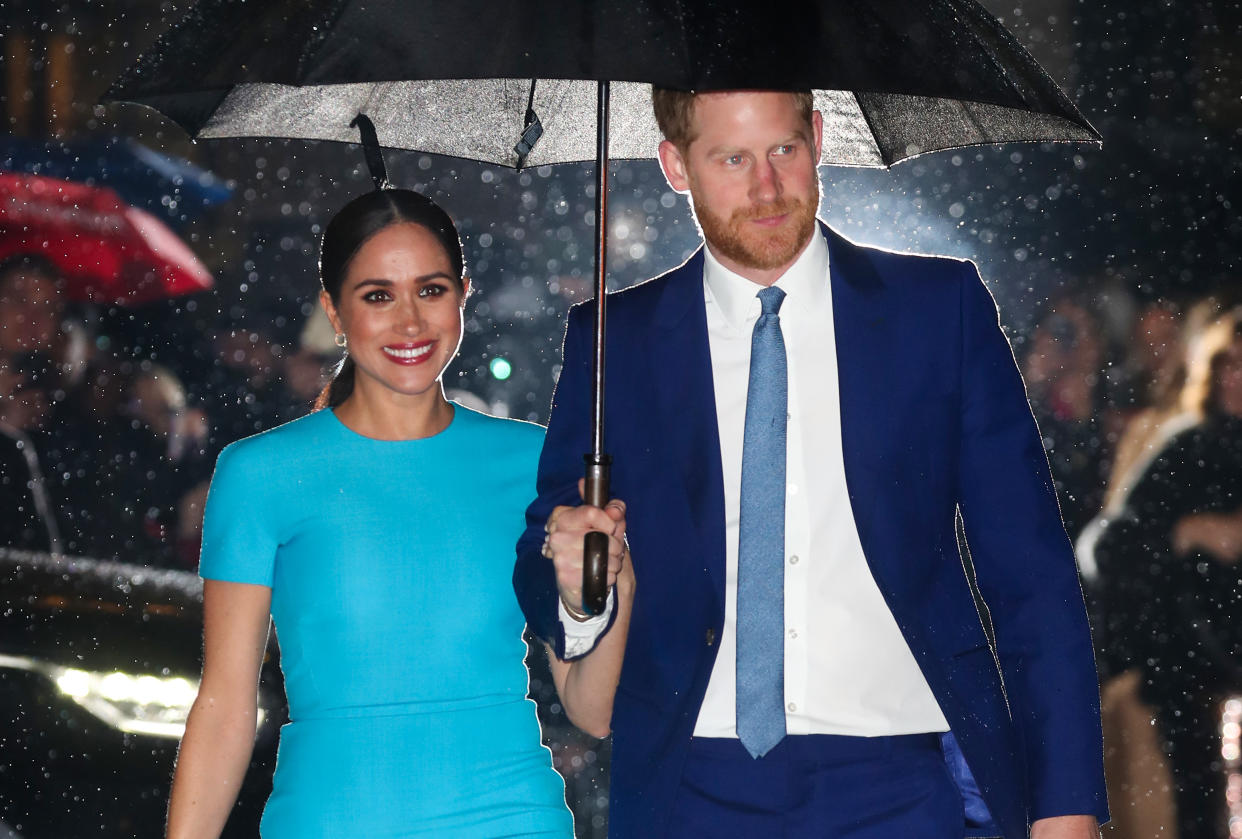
[761, 540]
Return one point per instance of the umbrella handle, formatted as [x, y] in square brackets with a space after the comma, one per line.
[595, 542]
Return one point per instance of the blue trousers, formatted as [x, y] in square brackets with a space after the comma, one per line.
[819, 786]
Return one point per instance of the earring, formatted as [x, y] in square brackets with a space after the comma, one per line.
[340, 340]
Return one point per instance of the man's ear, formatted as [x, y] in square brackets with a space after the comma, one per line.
[817, 129]
[674, 167]
[325, 300]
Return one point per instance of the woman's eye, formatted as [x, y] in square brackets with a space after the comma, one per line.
[377, 296]
[432, 290]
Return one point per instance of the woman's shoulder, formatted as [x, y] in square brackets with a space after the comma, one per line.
[503, 430]
[278, 444]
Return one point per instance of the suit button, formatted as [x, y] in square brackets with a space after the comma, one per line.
[710, 636]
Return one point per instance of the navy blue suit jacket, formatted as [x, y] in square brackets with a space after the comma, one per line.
[934, 419]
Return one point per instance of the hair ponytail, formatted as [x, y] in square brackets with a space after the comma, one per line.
[339, 389]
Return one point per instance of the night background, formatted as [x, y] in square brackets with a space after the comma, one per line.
[1150, 216]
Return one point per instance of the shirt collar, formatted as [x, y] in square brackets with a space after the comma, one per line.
[805, 283]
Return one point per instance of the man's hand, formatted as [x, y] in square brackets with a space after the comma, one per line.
[1216, 534]
[1066, 827]
[566, 527]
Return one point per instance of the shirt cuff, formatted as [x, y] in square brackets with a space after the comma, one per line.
[580, 636]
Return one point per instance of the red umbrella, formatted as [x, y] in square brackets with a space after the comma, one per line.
[109, 251]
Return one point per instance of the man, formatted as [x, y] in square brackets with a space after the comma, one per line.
[804, 655]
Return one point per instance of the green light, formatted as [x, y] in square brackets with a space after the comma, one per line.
[501, 368]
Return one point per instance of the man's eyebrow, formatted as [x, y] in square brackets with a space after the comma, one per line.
[724, 148]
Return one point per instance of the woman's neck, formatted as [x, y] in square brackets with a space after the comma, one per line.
[391, 416]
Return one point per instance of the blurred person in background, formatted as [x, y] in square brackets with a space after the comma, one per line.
[27, 519]
[244, 388]
[1062, 370]
[74, 437]
[1146, 412]
[1149, 395]
[35, 325]
[1168, 575]
[32, 310]
[167, 440]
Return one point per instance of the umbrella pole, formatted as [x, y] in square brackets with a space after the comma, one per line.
[595, 543]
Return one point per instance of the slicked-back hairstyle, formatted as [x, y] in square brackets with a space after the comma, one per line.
[350, 229]
[674, 113]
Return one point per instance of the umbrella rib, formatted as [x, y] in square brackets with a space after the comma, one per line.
[871, 129]
[999, 31]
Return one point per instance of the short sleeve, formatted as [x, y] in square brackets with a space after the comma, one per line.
[239, 524]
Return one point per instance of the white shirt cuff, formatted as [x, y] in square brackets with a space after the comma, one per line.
[580, 636]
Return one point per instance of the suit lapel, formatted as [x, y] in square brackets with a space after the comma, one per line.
[865, 349]
[685, 398]
[686, 404]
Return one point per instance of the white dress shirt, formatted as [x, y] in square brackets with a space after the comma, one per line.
[848, 670]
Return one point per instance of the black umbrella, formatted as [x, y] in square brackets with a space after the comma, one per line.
[541, 82]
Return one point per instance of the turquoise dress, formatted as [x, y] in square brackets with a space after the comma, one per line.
[390, 564]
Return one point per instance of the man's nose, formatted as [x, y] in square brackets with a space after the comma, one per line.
[766, 185]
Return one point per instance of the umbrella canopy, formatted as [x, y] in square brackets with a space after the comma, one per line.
[551, 82]
[893, 78]
[167, 186]
[109, 251]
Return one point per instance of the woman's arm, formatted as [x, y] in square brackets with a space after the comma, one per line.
[219, 734]
[588, 685]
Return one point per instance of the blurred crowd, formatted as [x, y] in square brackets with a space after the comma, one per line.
[1142, 420]
[109, 456]
[1139, 403]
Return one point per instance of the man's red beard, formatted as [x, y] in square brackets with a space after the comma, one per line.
[754, 247]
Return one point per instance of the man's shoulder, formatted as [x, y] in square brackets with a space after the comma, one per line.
[899, 266]
[644, 297]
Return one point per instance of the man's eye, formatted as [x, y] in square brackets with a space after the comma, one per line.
[734, 160]
[788, 148]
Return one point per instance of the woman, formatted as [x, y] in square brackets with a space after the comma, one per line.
[1171, 617]
[379, 533]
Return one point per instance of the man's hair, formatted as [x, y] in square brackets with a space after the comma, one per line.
[674, 112]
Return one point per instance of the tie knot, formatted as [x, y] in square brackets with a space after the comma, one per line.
[770, 299]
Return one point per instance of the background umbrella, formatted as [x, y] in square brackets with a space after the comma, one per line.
[531, 84]
[109, 251]
[165, 186]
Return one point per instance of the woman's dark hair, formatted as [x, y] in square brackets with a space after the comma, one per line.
[350, 229]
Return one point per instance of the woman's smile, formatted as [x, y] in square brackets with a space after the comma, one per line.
[416, 352]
